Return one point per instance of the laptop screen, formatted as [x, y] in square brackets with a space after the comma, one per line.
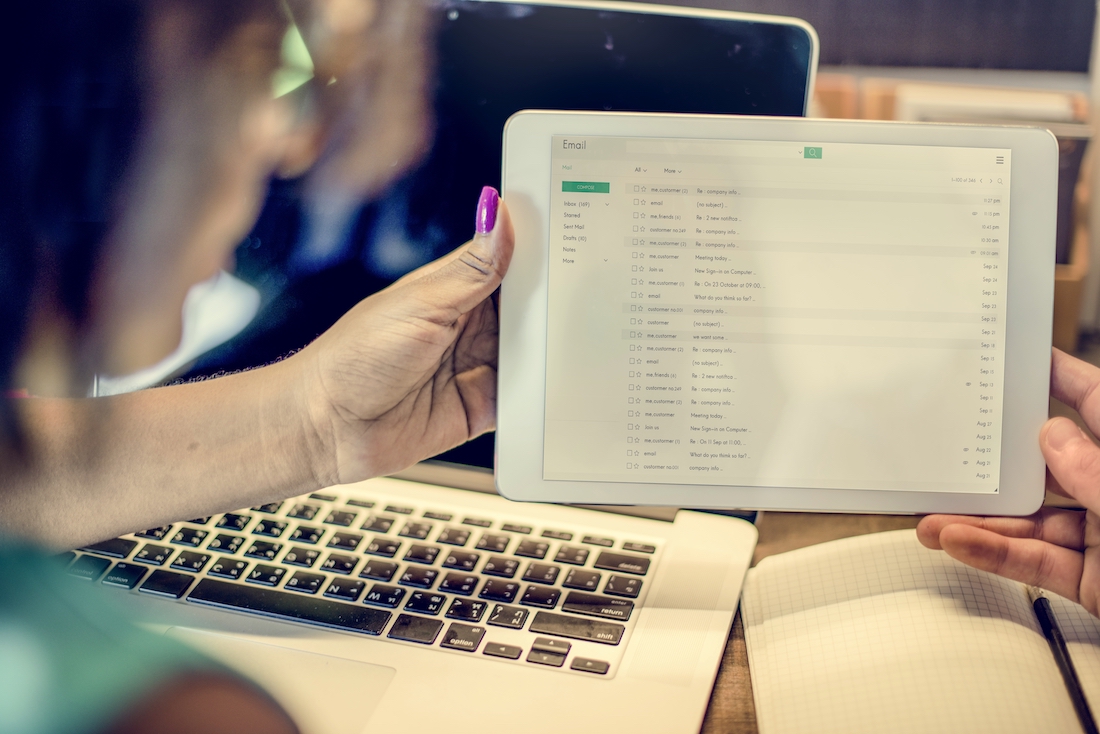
[312, 263]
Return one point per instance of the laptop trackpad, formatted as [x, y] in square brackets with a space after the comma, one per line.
[323, 694]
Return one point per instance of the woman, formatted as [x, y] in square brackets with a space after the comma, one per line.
[138, 139]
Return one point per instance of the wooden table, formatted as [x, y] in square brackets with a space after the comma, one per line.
[731, 708]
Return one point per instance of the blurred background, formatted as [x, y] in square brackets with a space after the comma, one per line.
[388, 197]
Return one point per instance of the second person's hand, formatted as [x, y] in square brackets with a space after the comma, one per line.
[1055, 549]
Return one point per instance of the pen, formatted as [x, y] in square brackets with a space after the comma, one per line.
[1057, 643]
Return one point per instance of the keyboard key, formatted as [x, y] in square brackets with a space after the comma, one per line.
[468, 610]
[124, 575]
[458, 583]
[270, 508]
[497, 650]
[478, 522]
[499, 590]
[63, 559]
[621, 562]
[365, 504]
[263, 550]
[588, 665]
[384, 596]
[270, 528]
[345, 541]
[549, 644]
[378, 524]
[155, 533]
[383, 547]
[594, 605]
[639, 547]
[505, 616]
[454, 536]
[415, 629]
[541, 573]
[167, 583]
[116, 547]
[583, 580]
[266, 575]
[627, 586]
[425, 603]
[227, 568]
[501, 566]
[546, 658]
[462, 637]
[540, 596]
[303, 512]
[441, 516]
[578, 628]
[461, 561]
[226, 543]
[233, 521]
[338, 517]
[418, 530]
[191, 537]
[425, 554]
[154, 555]
[323, 497]
[190, 561]
[304, 557]
[306, 534]
[596, 540]
[307, 583]
[557, 535]
[89, 568]
[571, 554]
[494, 543]
[345, 589]
[339, 563]
[378, 570]
[421, 578]
[290, 606]
[510, 528]
[532, 549]
[200, 520]
[399, 510]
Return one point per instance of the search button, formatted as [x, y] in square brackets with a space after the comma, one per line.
[811, 152]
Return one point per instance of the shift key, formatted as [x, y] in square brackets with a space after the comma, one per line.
[608, 633]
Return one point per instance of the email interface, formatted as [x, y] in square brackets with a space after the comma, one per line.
[773, 314]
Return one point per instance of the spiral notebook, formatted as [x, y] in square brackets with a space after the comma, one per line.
[876, 633]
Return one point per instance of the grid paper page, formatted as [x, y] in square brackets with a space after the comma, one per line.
[878, 634]
[1082, 633]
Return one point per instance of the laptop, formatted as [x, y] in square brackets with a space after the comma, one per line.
[424, 601]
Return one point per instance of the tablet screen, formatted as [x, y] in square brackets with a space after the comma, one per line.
[776, 314]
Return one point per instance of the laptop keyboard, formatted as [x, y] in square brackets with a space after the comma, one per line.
[510, 588]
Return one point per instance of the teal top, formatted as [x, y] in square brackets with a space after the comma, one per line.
[71, 661]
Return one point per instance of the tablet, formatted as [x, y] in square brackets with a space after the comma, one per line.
[748, 312]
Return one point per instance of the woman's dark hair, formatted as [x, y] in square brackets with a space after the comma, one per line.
[69, 114]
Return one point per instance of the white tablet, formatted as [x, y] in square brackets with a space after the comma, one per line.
[776, 313]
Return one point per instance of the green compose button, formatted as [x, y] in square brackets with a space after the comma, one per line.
[586, 187]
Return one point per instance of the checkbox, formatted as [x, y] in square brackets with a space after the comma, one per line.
[635, 189]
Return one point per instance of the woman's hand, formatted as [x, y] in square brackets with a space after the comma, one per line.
[411, 371]
[1056, 549]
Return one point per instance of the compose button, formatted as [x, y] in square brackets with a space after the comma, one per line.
[586, 187]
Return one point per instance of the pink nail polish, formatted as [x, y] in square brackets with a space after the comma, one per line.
[487, 210]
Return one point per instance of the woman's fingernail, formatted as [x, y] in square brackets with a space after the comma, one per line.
[1061, 432]
[487, 210]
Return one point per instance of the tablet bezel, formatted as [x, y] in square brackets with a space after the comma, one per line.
[523, 322]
